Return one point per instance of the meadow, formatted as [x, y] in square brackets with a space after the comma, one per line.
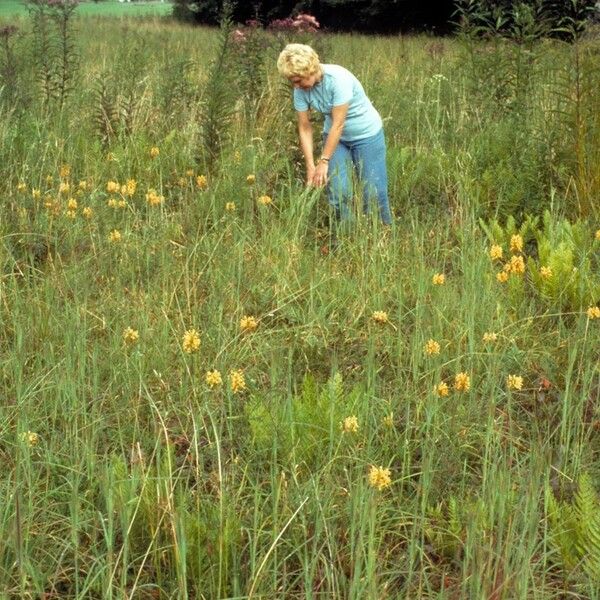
[107, 8]
[200, 398]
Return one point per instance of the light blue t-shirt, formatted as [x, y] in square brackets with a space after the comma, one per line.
[338, 86]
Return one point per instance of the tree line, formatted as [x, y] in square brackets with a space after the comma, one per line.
[394, 16]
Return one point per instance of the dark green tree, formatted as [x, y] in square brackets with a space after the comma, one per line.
[385, 16]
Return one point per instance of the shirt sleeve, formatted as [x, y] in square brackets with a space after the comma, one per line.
[300, 103]
[342, 89]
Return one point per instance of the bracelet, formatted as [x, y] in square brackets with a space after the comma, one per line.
[324, 159]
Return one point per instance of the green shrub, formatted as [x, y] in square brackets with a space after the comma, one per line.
[575, 529]
[308, 428]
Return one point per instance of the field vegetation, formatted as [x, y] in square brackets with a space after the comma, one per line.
[200, 398]
[107, 8]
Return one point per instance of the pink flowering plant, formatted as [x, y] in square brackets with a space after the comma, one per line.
[251, 46]
[256, 47]
[303, 29]
[303, 22]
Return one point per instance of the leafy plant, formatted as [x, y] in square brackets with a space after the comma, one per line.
[498, 234]
[42, 49]
[445, 528]
[176, 91]
[105, 114]
[567, 250]
[578, 110]
[309, 427]
[54, 49]
[252, 49]
[62, 12]
[575, 529]
[499, 47]
[219, 99]
[560, 259]
[8, 65]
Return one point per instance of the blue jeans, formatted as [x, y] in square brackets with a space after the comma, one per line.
[368, 158]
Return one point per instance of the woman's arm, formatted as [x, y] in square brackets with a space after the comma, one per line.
[338, 118]
[305, 133]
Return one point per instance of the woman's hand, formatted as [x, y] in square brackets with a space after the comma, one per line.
[310, 173]
[319, 178]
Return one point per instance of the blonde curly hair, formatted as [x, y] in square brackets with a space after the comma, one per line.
[298, 60]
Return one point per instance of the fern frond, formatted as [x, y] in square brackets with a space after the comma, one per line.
[587, 510]
[337, 387]
[454, 518]
[563, 529]
[445, 529]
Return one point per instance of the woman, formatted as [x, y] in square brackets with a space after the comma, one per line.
[352, 134]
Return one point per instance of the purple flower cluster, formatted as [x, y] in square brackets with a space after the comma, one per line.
[301, 22]
[8, 30]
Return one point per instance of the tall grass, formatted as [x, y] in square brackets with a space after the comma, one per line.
[125, 474]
